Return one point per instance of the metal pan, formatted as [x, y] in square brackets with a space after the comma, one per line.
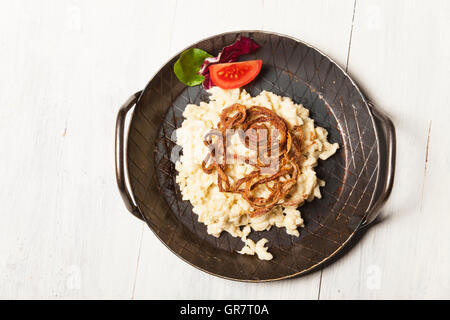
[359, 176]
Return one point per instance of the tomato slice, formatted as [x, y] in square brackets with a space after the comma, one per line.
[234, 74]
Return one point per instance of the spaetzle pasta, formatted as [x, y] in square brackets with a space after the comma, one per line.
[221, 211]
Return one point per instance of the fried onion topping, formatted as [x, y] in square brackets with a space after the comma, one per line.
[278, 155]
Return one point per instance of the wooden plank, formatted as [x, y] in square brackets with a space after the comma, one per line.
[67, 66]
[161, 274]
[399, 55]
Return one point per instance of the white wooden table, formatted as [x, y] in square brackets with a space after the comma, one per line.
[67, 66]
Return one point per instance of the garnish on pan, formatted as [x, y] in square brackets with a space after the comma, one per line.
[234, 75]
[283, 176]
[188, 65]
[193, 66]
[230, 53]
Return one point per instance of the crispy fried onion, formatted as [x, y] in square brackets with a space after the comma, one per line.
[278, 155]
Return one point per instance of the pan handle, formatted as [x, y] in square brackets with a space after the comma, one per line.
[389, 132]
[120, 160]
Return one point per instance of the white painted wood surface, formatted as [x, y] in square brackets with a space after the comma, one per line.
[66, 67]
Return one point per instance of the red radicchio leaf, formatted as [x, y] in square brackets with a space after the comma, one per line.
[230, 53]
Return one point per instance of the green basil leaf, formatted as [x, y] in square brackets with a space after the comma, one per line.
[189, 64]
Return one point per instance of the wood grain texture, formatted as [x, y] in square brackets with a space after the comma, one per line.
[66, 70]
[68, 65]
[401, 59]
